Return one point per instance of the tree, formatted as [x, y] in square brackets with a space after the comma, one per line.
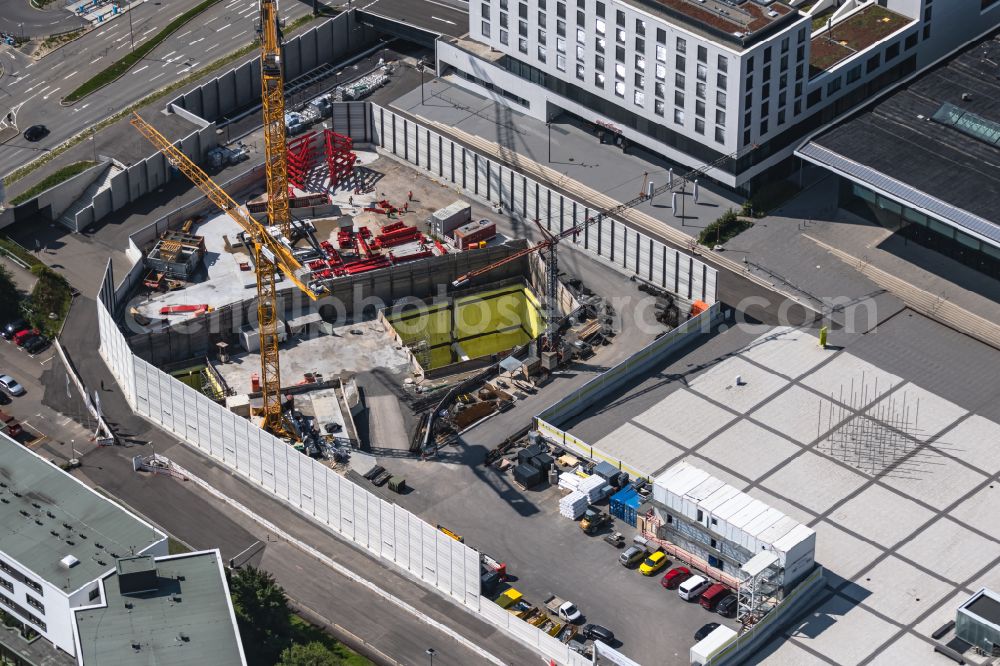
[262, 614]
[309, 654]
[10, 299]
[51, 294]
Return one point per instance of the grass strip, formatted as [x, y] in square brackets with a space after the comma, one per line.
[18, 174]
[20, 252]
[119, 67]
[52, 180]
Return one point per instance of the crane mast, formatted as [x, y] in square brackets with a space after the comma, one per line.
[268, 255]
[273, 105]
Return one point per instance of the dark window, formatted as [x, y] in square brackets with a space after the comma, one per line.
[522, 10]
[833, 86]
[891, 51]
[661, 36]
[814, 98]
[797, 107]
[713, 543]
[802, 35]
[765, 108]
[702, 54]
[620, 18]
[746, 137]
[784, 45]
[911, 41]
[853, 74]
[927, 31]
[561, 10]
[873, 63]
[600, 9]
[781, 117]
[701, 515]
[94, 594]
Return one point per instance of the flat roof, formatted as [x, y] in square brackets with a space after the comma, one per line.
[740, 22]
[187, 621]
[985, 605]
[47, 515]
[853, 34]
[895, 146]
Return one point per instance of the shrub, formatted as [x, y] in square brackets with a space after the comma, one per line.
[52, 180]
[724, 228]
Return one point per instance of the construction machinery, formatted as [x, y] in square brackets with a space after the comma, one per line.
[269, 255]
[550, 339]
[272, 96]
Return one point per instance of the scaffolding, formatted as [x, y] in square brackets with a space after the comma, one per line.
[757, 593]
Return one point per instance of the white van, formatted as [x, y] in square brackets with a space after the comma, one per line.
[692, 588]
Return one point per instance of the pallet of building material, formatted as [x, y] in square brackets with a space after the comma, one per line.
[569, 481]
[592, 487]
[573, 505]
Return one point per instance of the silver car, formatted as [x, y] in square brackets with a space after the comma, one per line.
[10, 385]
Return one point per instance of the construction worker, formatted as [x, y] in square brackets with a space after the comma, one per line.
[350, 200]
[409, 195]
[406, 207]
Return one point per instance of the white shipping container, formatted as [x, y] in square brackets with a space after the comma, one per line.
[735, 525]
[660, 482]
[757, 526]
[694, 497]
[777, 530]
[703, 650]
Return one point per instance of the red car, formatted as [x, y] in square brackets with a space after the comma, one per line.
[675, 577]
[22, 336]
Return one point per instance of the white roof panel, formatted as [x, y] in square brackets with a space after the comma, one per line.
[718, 498]
[777, 530]
[747, 514]
[759, 563]
[795, 536]
[704, 489]
[732, 506]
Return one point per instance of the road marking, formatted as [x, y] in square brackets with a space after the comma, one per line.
[200, 39]
[85, 106]
[186, 33]
[29, 65]
[96, 59]
[52, 92]
[210, 47]
[120, 38]
[224, 27]
[140, 69]
[175, 16]
[167, 55]
[210, 20]
[157, 76]
[452, 7]
[437, 18]
[240, 33]
[74, 73]
[43, 89]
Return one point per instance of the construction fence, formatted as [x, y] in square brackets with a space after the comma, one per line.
[628, 251]
[350, 511]
[548, 422]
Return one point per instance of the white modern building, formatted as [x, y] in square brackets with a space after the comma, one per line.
[727, 528]
[699, 80]
[58, 538]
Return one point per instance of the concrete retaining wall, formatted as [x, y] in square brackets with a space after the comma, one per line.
[331, 41]
[610, 241]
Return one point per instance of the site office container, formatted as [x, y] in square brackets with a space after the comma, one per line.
[678, 486]
[660, 482]
[693, 498]
[796, 551]
[736, 524]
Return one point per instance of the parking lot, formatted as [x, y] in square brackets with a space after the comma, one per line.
[50, 417]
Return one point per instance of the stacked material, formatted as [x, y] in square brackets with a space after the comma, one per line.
[591, 487]
[569, 481]
[573, 505]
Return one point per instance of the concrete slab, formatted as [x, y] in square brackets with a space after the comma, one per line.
[748, 449]
[718, 472]
[814, 481]
[909, 649]
[951, 550]
[755, 386]
[787, 351]
[841, 553]
[976, 440]
[898, 590]
[938, 480]
[638, 448]
[925, 412]
[944, 613]
[894, 520]
[685, 418]
[842, 631]
[788, 653]
[796, 414]
[980, 510]
[847, 373]
[329, 355]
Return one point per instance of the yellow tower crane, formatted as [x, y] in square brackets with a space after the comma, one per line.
[269, 255]
[272, 97]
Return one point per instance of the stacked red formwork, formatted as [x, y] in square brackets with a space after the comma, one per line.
[340, 157]
[301, 159]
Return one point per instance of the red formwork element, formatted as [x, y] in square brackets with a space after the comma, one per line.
[301, 159]
[413, 256]
[340, 157]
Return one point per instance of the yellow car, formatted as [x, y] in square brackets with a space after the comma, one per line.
[653, 563]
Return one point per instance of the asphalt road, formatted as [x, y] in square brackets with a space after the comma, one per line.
[18, 17]
[32, 90]
[447, 18]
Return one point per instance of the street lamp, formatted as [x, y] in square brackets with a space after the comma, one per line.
[430, 653]
[549, 127]
[130, 33]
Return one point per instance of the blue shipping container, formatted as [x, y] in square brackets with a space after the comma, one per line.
[625, 504]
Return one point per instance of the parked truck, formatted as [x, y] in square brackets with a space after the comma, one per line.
[565, 610]
[593, 520]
